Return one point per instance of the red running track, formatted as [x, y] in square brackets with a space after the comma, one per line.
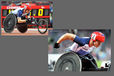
[29, 32]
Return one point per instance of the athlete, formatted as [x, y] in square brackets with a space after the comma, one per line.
[83, 46]
[21, 13]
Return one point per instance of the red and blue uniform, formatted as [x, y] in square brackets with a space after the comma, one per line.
[81, 45]
[20, 12]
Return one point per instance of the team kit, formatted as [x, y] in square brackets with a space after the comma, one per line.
[74, 50]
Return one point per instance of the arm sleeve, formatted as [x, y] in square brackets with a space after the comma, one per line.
[81, 41]
[19, 14]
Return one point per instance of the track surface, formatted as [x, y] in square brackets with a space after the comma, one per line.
[17, 33]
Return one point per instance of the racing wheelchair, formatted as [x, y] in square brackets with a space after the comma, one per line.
[10, 21]
[71, 61]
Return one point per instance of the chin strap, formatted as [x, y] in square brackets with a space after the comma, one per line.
[92, 43]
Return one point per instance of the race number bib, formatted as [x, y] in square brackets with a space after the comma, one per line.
[93, 36]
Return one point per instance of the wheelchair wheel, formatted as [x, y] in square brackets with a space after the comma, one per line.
[42, 26]
[22, 27]
[68, 62]
[9, 23]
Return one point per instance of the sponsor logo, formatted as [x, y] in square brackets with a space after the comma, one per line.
[11, 7]
[93, 36]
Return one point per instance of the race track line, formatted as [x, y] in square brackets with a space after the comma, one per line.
[29, 32]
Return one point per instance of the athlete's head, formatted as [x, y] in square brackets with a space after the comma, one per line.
[97, 38]
[27, 8]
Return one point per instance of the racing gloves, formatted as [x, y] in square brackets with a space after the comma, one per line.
[56, 45]
[28, 20]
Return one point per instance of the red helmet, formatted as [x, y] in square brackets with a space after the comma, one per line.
[27, 7]
[98, 36]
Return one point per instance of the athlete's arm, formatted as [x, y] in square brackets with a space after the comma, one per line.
[72, 37]
[19, 14]
[67, 36]
[28, 15]
[20, 20]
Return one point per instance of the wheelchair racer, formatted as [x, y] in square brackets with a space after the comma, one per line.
[21, 13]
[83, 46]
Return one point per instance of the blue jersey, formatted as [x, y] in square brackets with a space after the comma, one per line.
[19, 12]
[81, 45]
[81, 41]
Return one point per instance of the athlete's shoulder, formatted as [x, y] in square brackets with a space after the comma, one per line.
[82, 40]
[20, 10]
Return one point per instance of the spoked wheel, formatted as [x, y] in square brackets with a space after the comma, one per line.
[22, 27]
[9, 23]
[68, 62]
[42, 26]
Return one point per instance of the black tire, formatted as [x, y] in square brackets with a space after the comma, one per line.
[88, 63]
[40, 24]
[109, 69]
[9, 23]
[68, 62]
[22, 27]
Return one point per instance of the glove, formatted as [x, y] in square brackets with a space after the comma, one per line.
[56, 45]
[28, 20]
[32, 18]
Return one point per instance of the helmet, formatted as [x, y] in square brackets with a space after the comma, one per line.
[27, 7]
[98, 36]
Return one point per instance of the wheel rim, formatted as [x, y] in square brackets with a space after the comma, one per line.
[42, 28]
[68, 62]
[67, 65]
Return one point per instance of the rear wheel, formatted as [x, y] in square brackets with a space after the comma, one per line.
[22, 27]
[42, 26]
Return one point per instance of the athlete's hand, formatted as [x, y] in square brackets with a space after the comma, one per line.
[32, 18]
[28, 20]
[56, 45]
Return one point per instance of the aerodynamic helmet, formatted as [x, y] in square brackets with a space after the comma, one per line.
[98, 36]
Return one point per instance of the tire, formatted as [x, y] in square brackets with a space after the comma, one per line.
[88, 63]
[109, 69]
[41, 28]
[22, 27]
[9, 23]
[68, 62]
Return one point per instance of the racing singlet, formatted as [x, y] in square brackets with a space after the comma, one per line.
[19, 12]
[81, 46]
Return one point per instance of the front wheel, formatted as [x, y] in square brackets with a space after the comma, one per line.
[42, 26]
[68, 62]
